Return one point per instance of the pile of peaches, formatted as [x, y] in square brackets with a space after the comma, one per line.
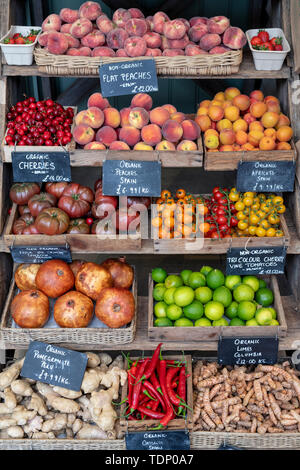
[89, 32]
[233, 121]
[137, 127]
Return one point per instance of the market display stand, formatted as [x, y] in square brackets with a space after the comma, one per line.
[9, 91]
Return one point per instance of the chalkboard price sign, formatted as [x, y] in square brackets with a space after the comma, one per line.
[256, 260]
[158, 440]
[39, 254]
[131, 178]
[41, 167]
[268, 177]
[248, 351]
[54, 365]
[128, 77]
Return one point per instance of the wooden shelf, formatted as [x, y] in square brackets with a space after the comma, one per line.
[247, 71]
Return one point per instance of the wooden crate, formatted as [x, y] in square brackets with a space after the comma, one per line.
[212, 333]
[77, 242]
[77, 338]
[174, 424]
[8, 149]
[228, 161]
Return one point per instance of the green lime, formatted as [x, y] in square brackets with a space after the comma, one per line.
[197, 280]
[214, 310]
[174, 312]
[183, 322]
[262, 283]
[203, 322]
[231, 311]
[194, 311]
[232, 281]
[160, 310]
[274, 313]
[251, 281]
[252, 322]
[215, 279]
[158, 292]
[263, 316]
[159, 275]
[221, 322]
[203, 294]
[169, 296]
[163, 322]
[274, 322]
[246, 310]
[237, 322]
[223, 295]
[185, 274]
[243, 292]
[173, 281]
[183, 296]
[264, 297]
[205, 270]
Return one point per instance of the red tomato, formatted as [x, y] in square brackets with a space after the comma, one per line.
[263, 35]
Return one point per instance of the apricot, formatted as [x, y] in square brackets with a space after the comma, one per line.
[257, 95]
[202, 111]
[178, 116]
[217, 103]
[159, 116]
[203, 122]
[256, 126]
[226, 148]
[211, 132]
[220, 96]
[232, 113]
[241, 137]
[142, 100]
[258, 109]
[271, 98]
[227, 137]
[106, 135]
[271, 132]
[283, 146]
[118, 145]
[138, 117]
[97, 100]
[247, 147]
[227, 103]
[231, 93]
[284, 134]
[240, 125]
[283, 121]
[242, 102]
[165, 145]
[249, 118]
[94, 146]
[273, 106]
[129, 134]
[142, 146]
[151, 134]
[186, 146]
[112, 117]
[254, 137]
[216, 113]
[191, 130]
[172, 130]
[224, 124]
[206, 103]
[83, 134]
[267, 143]
[212, 142]
[236, 148]
[270, 119]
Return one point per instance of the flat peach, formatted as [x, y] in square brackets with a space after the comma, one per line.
[90, 10]
[92, 116]
[68, 16]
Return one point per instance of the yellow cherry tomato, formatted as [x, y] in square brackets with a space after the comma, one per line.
[264, 224]
[260, 232]
[254, 219]
[261, 197]
[261, 214]
[278, 200]
[249, 194]
[239, 206]
[281, 209]
[233, 197]
[252, 230]
[273, 219]
[271, 232]
[256, 200]
[241, 216]
[265, 207]
[279, 233]
[242, 225]
[248, 201]
[255, 206]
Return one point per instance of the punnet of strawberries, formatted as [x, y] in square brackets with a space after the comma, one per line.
[263, 42]
[19, 38]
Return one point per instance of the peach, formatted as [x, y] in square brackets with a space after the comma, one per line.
[240, 125]
[197, 32]
[173, 52]
[257, 95]
[242, 102]
[57, 43]
[142, 146]
[178, 116]
[211, 141]
[191, 130]
[216, 113]
[138, 117]
[129, 134]
[283, 121]
[165, 145]
[94, 146]
[249, 118]
[234, 38]
[273, 106]
[93, 39]
[119, 145]
[136, 27]
[141, 100]
[232, 113]
[153, 52]
[43, 38]
[83, 134]
[170, 108]
[231, 93]
[153, 40]
[97, 100]
[198, 20]
[254, 137]
[159, 20]
[124, 116]
[256, 126]
[52, 22]
[159, 116]
[120, 17]
[66, 28]
[187, 146]
[111, 117]
[106, 135]
[209, 41]
[151, 134]
[92, 117]
[178, 43]
[226, 148]
[81, 28]
[73, 42]
[219, 50]
[172, 130]
[90, 10]
[116, 38]
[135, 46]
[192, 49]
[174, 29]
[224, 124]
[241, 137]
[270, 119]
[267, 143]
[68, 16]
[227, 137]
[136, 13]
[218, 24]
[103, 51]
[284, 133]
[104, 24]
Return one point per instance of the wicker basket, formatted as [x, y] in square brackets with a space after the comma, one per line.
[61, 444]
[209, 64]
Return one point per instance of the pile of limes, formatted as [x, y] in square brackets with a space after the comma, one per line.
[209, 298]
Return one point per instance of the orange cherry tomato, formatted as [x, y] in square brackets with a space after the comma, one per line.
[165, 194]
[180, 193]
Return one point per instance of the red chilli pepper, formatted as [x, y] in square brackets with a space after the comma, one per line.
[149, 412]
[151, 367]
[181, 391]
[137, 386]
[131, 379]
[154, 392]
[170, 376]
[162, 378]
[155, 383]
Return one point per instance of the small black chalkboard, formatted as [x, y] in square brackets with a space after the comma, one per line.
[247, 351]
[268, 177]
[256, 260]
[54, 365]
[158, 440]
[40, 254]
[128, 77]
[131, 178]
[39, 167]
